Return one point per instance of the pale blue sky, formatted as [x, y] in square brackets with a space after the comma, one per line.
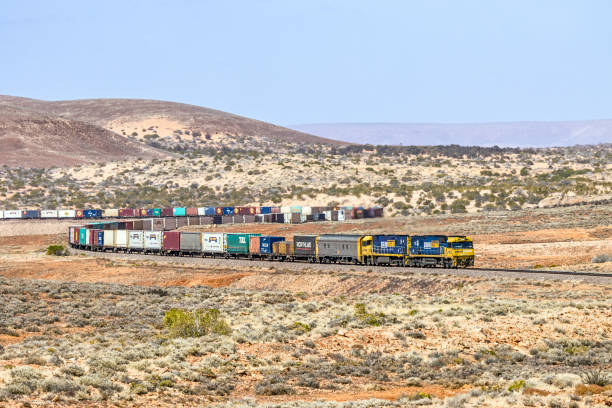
[291, 62]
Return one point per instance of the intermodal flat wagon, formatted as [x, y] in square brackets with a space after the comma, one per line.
[152, 241]
[237, 243]
[213, 243]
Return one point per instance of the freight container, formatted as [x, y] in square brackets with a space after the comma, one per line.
[158, 224]
[334, 215]
[169, 223]
[238, 219]
[282, 250]
[239, 210]
[135, 241]
[154, 212]
[92, 237]
[171, 242]
[217, 219]
[228, 219]
[193, 220]
[179, 211]
[305, 247]
[296, 209]
[127, 212]
[265, 244]
[31, 214]
[210, 211]
[254, 246]
[71, 235]
[181, 222]
[238, 243]
[110, 213]
[249, 219]
[191, 211]
[328, 215]
[304, 218]
[78, 214]
[219, 210]
[251, 211]
[166, 212]
[275, 210]
[147, 225]
[114, 225]
[339, 248]
[1, 214]
[306, 210]
[138, 225]
[213, 243]
[99, 241]
[129, 225]
[265, 210]
[83, 236]
[48, 214]
[228, 210]
[109, 238]
[296, 218]
[206, 220]
[121, 239]
[285, 209]
[201, 211]
[121, 225]
[142, 212]
[152, 241]
[341, 215]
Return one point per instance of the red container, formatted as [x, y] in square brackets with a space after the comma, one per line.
[171, 241]
[251, 211]
[143, 212]
[254, 245]
[126, 212]
[219, 210]
[167, 212]
[78, 214]
[275, 210]
[129, 225]
[191, 211]
[93, 237]
[257, 210]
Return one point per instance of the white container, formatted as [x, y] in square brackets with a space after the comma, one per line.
[327, 215]
[136, 239]
[66, 214]
[12, 214]
[121, 238]
[1, 214]
[153, 239]
[109, 238]
[201, 211]
[287, 218]
[306, 210]
[285, 209]
[87, 236]
[303, 219]
[341, 215]
[48, 214]
[213, 242]
[110, 212]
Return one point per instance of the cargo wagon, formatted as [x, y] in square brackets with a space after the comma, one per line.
[213, 244]
[237, 244]
[266, 243]
[190, 243]
[31, 214]
[152, 241]
[121, 240]
[171, 243]
[339, 248]
[109, 240]
[305, 247]
[135, 241]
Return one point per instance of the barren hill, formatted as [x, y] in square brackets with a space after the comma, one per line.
[140, 117]
[35, 139]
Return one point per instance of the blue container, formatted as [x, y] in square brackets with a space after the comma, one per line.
[265, 210]
[100, 238]
[210, 211]
[390, 244]
[179, 211]
[92, 213]
[265, 244]
[228, 210]
[30, 214]
[428, 245]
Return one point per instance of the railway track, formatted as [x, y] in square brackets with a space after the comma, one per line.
[549, 272]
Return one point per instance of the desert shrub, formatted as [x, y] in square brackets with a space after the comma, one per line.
[372, 319]
[517, 385]
[182, 323]
[273, 385]
[596, 377]
[57, 250]
[601, 258]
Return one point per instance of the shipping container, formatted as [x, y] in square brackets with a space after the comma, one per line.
[142, 212]
[135, 241]
[147, 225]
[138, 225]
[238, 243]
[181, 222]
[166, 212]
[217, 219]
[296, 218]
[92, 213]
[1, 214]
[228, 210]
[201, 211]
[110, 213]
[265, 244]
[158, 224]
[282, 250]
[213, 243]
[83, 236]
[206, 220]
[127, 212]
[265, 210]
[152, 241]
[109, 238]
[129, 225]
[239, 210]
[99, 241]
[154, 212]
[121, 239]
[92, 238]
[285, 209]
[219, 210]
[339, 248]
[193, 220]
[306, 210]
[121, 225]
[296, 209]
[341, 215]
[254, 246]
[31, 214]
[238, 219]
[275, 210]
[210, 211]
[251, 211]
[334, 215]
[78, 213]
[179, 211]
[171, 242]
[305, 247]
[249, 219]
[169, 223]
[71, 235]
[48, 214]
[228, 219]
[191, 211]
[287, 218]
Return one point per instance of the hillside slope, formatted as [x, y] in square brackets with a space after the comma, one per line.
[140, 117]
[34, 139]
[510, 134]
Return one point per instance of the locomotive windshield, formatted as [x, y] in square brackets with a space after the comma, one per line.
[462, 245]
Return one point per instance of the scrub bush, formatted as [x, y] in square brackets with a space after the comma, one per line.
[57, 250]
[182, 323]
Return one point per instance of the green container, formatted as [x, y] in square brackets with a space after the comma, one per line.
[179, 212]
[238, 243]
[83, 236]
[157, 212]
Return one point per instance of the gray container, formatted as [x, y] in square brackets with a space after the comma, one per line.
[338, 246]
[238, 219]
[206, 220]
[249, 219]
[191, 242]
[228, 219]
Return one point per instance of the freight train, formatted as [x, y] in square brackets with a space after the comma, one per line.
[288, 214]
[393, 250]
